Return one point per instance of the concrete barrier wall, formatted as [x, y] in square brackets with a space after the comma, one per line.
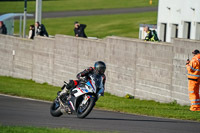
[43, 60]
[22, 58]
[6, 58]
[72, 55]
[153, 71]
[121, 63]
[16, 57]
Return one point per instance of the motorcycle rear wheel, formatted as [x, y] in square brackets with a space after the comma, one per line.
[82, 113]
[55, 108]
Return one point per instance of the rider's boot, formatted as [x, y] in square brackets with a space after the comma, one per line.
[68, 110]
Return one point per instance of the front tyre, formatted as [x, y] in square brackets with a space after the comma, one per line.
[55, 108]
[84, 110]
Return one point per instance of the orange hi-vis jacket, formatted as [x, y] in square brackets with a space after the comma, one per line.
[194, 68]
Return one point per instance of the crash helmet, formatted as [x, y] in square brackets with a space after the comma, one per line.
[100, 67]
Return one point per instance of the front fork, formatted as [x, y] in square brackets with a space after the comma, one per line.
[85, 99]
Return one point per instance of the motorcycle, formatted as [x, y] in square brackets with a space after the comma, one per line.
[78, 101]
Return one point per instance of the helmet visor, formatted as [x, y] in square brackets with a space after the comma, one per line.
[101, 70]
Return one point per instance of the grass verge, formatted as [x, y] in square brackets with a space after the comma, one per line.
[28, 88]
[69, 5]
[125, 25]
[20, 129]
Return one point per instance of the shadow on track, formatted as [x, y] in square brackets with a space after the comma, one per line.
[121, 119]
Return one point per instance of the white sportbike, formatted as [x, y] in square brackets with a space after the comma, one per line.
[80, 100]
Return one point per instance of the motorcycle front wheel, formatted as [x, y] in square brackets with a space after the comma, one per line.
[55, 108]
[84, 110]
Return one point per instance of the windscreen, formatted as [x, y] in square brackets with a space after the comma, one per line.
[97, 78]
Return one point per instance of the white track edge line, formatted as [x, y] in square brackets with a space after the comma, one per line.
[31, 99]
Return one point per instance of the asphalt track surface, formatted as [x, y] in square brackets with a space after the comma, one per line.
[24, 112]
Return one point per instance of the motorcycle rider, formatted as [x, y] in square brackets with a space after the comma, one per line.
[99, 68]
[66, 99]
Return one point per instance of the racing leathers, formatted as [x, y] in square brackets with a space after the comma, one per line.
[83, 77]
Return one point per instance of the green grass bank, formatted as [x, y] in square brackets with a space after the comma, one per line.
[70, 5]
[124, 25]
[20, 129]
[28, 88]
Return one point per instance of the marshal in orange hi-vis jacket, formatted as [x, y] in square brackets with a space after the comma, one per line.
[193, 68]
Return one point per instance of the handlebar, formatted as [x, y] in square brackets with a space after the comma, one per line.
[65, 83]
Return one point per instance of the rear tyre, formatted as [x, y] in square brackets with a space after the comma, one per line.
[55, 108]
[82, 112]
